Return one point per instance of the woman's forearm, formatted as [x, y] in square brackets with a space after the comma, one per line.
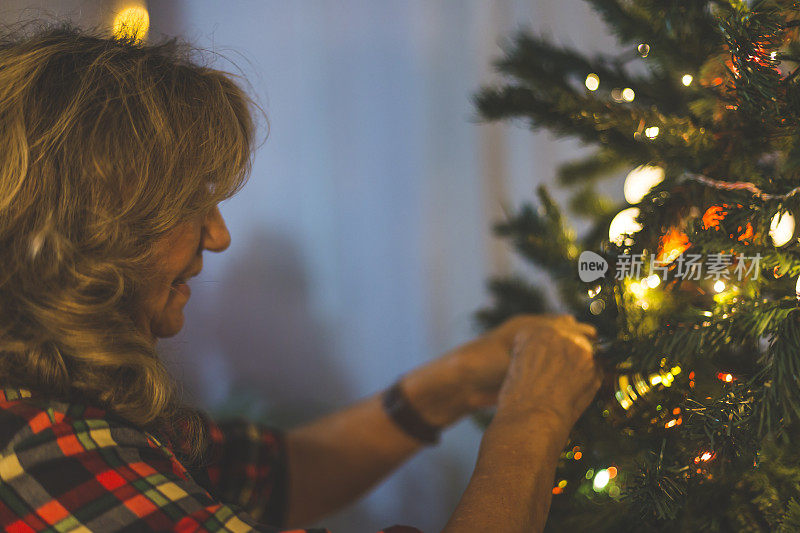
[337, 458]
[511, 487]
[334, 460]
[523, 364]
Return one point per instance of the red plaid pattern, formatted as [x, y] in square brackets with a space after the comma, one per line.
[69, 467]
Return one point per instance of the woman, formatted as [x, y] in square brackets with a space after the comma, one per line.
[115, 157]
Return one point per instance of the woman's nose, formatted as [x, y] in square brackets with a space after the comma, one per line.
[216, 237]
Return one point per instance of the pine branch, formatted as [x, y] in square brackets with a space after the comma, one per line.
[512, 296]
[598, 165]
[681, 34]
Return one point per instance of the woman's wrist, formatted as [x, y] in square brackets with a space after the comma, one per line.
[542, 422]
[436, 392]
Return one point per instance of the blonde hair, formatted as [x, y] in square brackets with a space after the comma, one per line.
[106, 146]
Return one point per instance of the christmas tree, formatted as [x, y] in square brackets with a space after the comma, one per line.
[693, 284]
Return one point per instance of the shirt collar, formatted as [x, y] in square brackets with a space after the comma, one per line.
[10, 394]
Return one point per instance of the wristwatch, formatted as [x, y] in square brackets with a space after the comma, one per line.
[406, 417]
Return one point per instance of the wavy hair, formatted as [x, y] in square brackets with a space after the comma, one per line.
[107, 145]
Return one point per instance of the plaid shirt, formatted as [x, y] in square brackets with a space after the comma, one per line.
[68, 467]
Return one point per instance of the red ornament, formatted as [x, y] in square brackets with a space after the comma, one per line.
[671, 245]
[717, 213]
[713, 216]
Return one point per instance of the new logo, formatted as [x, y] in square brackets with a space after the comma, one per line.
[591, 266]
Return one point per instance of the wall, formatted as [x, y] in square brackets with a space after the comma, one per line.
[361, 243]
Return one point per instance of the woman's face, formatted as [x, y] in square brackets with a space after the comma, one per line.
[161, 310]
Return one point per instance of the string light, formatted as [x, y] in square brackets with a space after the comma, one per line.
[592, 82]
[559, 488]
[713, 216]
[643, 49]
[653, 281]
[719, 286]
[781, 228]
[629, 386]
[601, 480]
[651, 132]
[797, 288]
[625, 395]
[623, 224]
[704, 457]
[640, 181]
[628, 95]
[672, 245]
[637, 289]
[132, 23]
[739, 186]
[724, 376]
[687, 79]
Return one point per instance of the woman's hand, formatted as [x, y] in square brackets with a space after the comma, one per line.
[336, 458]
[470, 376]
[552, 374]
[551, 379]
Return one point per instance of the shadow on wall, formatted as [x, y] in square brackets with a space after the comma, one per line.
[251, 345]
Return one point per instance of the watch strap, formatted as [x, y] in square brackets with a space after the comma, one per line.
[400, 410]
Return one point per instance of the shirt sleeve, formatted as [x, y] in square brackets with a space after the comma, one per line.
[101, 475]
[245, 464]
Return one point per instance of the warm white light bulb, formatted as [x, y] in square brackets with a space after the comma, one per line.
[640, 180]
[592, 82]
[623, 224]
[132, 23]
[719, 286]
[628, 95]
[797, 287]
[651, 132]
[687, 79]
[601, 480]
[637, 289]
[781, 228]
